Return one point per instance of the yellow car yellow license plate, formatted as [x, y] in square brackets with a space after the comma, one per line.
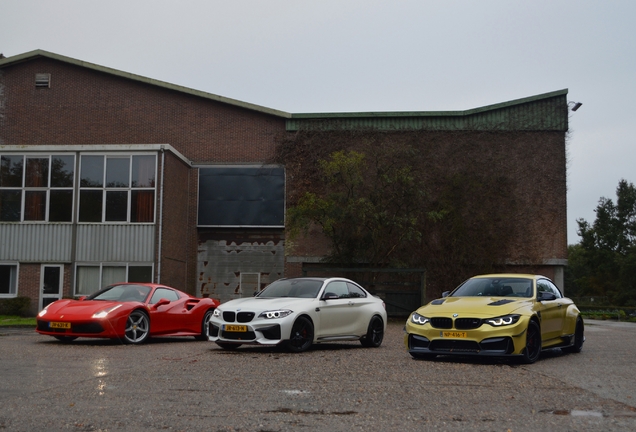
[60, 325]
[454, 334]
[235, 328]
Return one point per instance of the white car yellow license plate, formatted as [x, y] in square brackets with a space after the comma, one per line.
[235, 328]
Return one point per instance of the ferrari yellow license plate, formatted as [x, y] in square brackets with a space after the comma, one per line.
[235, 328]
[454, 335]
[60, 325]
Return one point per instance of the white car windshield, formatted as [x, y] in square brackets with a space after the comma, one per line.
[301, 288]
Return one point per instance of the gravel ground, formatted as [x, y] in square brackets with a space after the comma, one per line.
[182, 385]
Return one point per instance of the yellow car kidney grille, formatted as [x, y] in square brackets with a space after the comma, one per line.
[442, 323]
[467, 323]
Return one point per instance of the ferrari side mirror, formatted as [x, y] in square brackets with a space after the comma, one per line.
[161, 302]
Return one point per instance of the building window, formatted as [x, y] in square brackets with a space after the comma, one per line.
[8, 280]
[117, 188]
[93, 277]
[36, 188]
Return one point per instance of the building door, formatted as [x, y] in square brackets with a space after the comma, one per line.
[51, 284]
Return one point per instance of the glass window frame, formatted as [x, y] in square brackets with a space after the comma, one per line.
[44, 190]
[101, 266]
[14, 281]
[108, 191]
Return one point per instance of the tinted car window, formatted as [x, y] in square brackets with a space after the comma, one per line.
[338, 288]
[355, 291]
[545, 285]
[164, 293]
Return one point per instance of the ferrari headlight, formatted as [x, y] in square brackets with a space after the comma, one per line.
[43, 311]
[104, 312]
[503, 320]
[273, 314]
[419, 319]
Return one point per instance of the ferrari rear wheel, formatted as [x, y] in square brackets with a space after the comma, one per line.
[137, 328]
[65, 339]
[579, 338]
[301, 336]
[533, 343]
[204, 326]
[375, 333]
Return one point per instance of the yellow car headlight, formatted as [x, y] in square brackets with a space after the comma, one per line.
[419, 319]
[503, 320]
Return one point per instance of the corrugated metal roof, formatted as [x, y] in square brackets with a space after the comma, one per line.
[547, 111]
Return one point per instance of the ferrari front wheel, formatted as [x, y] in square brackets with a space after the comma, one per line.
[137, 328]
[533, 343]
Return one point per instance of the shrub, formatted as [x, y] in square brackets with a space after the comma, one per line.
[20, 306]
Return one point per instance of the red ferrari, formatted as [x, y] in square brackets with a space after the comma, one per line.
[130, 312]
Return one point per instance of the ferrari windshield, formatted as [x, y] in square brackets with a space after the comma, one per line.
[497, 287]
[122, 293]
[302, 288]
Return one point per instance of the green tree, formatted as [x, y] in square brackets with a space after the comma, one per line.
[369, 208]
[604, 263]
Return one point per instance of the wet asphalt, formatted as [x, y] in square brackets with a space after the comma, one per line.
[179, 384]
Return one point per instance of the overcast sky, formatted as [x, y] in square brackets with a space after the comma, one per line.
[364, 55]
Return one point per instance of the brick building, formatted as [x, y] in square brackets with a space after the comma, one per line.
[109, 176]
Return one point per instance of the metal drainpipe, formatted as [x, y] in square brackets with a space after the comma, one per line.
[163, 158]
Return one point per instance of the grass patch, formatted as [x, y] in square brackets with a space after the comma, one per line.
[16, 321]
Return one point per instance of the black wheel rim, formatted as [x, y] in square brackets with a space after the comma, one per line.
[377, 332]
[302, 335]
[533, 342]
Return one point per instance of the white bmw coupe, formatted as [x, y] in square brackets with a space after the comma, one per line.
[299, 312]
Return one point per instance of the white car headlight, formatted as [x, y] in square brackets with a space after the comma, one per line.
[273, 314]
[104, 312]
[419, 319]
[216, 313]
[503, 320]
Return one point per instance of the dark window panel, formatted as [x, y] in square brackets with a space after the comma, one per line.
[61, 206]
[140, 274]
[37, 172]
[62, 171]
[34, 205]
[11, 171]
[117, 172]
[116, 206]
[92, 171]
[10, 205]
[90, 206]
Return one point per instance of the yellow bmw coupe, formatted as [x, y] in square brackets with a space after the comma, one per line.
[496, 315]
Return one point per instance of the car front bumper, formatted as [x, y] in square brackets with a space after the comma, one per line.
[483, 341]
